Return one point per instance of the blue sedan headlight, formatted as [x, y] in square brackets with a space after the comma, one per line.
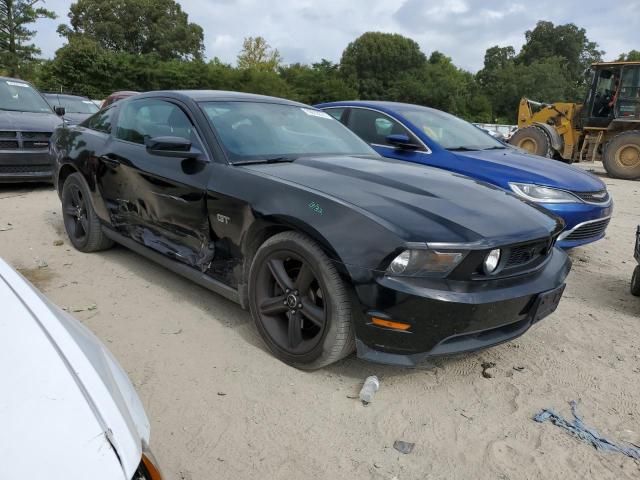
[540, 194]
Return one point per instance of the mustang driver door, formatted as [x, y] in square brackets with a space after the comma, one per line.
[156, 199]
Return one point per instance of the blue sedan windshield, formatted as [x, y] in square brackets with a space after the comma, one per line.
[253, 130]
[449, 131]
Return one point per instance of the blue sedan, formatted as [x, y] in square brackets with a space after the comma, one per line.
[424, 135]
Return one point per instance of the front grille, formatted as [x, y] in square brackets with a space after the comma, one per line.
[24, 140]
[17, 169]
[9, 145]
[35, 144]
[593, 197]
[589, 230]
[523, 255]
[36, 135]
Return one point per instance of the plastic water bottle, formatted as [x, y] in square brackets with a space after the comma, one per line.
[369, 389]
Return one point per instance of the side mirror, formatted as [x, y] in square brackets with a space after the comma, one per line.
[401, 141]
[176, 147]
[60, 111]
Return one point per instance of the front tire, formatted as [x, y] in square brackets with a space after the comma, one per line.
[534, 140]
[80, 220]
[299, 303]
[621, 157]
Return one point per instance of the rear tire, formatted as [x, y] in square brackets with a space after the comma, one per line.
[80, 220]
[621, 157]
[635, 282]
[306, 322]
[534, 140]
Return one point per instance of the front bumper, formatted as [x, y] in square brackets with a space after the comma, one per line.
[453, 317]
[25, 166]
[584, 222]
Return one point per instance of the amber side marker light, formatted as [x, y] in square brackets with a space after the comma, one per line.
[151, 466]
[381, 322]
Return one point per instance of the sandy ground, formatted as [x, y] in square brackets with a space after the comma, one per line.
[222, 407]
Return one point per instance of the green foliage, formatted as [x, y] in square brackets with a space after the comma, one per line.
[150, 45]
[550, 68]
[257, 54]
[568, 42]
[321, 82]
[157, 27]
[374, 60]
[632, 56]
[17, 54]
[440, 84]
[81, 66]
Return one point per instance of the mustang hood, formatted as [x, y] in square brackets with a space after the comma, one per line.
[29, 121]
[521, 167]
[418, 203]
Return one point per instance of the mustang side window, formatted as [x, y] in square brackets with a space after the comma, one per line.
[101, 121]
[374, 127]
[151, 118]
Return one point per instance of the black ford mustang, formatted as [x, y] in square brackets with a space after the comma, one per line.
[279, 207]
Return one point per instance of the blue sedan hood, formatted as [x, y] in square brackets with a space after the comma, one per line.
[509, 165]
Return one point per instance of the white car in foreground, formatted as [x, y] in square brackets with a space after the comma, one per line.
[67, 409]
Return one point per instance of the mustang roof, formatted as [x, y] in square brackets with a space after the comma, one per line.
[220, 95]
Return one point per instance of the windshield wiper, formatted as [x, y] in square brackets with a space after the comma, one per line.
[496, 147]
[281, 159]
[22, 111]
[462, 149]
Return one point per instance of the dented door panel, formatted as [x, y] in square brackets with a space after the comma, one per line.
[158, 201]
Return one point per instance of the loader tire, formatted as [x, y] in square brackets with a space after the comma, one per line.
[621, 157]
[534, 140]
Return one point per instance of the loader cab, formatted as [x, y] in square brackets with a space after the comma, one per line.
[614, 94]
[628, 103]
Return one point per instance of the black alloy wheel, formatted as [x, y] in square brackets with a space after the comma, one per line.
[74, 211]
[80, 220]
[299, 302]
[290, 302]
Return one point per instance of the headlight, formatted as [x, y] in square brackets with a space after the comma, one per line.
[491, 261]
[537, 193]
[415, 263]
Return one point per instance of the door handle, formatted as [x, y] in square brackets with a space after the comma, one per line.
[111, 162]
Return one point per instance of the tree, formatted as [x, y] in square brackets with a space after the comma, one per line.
[82, 67]
[139, 27]
[569, 44]
[372, 62]
[320, 82]
[256, 53]
[440, 84]
[632, 56]
[15, 50]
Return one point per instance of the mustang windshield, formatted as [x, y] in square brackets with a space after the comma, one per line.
[73, 104]
[255, 131]
[449, 131]
[18, 96]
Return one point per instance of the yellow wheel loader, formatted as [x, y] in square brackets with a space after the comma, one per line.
[605, 127]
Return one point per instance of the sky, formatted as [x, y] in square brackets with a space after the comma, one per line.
[307, 31]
